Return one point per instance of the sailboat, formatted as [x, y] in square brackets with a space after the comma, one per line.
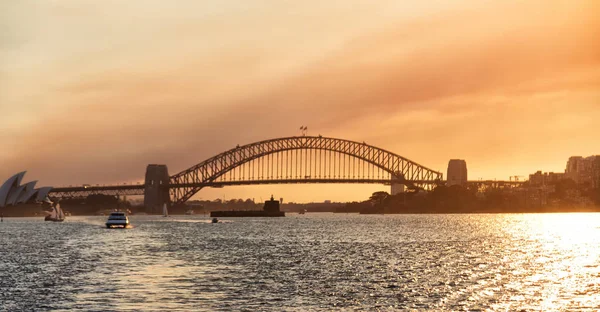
[56, 215]
[165, 211]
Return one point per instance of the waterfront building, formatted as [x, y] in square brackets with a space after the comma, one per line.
[21, 200]
[595, 168]
[12, 193]
[584, 170]
[545, 178]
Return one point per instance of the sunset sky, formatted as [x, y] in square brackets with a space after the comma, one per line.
[93, 91]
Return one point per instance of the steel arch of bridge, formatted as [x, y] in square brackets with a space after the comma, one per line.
[185, 184]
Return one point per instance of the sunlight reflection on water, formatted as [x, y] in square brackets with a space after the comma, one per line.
[304, 262]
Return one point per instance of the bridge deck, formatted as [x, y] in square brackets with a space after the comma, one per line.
[138, 189]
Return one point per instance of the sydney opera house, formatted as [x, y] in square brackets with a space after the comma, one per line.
[18, 199]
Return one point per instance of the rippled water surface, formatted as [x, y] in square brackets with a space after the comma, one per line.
[303, 262]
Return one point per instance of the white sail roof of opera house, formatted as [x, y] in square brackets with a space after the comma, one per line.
[8, 186]
[13, 193]
[43, 193]
[27, 193]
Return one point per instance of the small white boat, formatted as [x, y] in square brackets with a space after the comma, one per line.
[117, 219]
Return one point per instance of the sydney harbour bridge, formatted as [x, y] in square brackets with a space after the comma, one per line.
[301, 159]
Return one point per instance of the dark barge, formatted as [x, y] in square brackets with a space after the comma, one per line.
[271, 209]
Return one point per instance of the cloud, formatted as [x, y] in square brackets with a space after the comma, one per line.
[477, 84]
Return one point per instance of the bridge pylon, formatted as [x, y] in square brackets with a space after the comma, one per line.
[397, 188]
[156, 192]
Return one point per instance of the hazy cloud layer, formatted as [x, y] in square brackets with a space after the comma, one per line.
[510, 87]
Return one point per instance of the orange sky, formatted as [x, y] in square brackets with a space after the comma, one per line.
[93, 91]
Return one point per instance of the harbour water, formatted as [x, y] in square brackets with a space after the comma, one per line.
[311, 262]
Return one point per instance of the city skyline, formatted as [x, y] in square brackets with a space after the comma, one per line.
[151, 82]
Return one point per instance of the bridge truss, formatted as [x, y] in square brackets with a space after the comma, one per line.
[305, 159]
[85, 191]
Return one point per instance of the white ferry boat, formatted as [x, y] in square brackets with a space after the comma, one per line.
[117, 219]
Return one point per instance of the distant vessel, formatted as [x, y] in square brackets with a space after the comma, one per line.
[189, 212]
[214, 220]
[117, 219]
[56, 215]
[165, 211]
[271, 209]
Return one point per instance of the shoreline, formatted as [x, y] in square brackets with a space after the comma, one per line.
[342, 212]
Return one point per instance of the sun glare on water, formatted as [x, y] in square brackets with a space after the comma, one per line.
[561, 264]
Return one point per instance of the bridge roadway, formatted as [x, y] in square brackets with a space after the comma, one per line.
[138, 189]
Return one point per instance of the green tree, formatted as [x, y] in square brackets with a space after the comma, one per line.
[379, 197]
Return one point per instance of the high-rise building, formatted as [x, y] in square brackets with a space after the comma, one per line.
[574, 168]
[584, 170]
[457, 172]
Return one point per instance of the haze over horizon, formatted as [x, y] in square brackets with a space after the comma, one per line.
[93, 91]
